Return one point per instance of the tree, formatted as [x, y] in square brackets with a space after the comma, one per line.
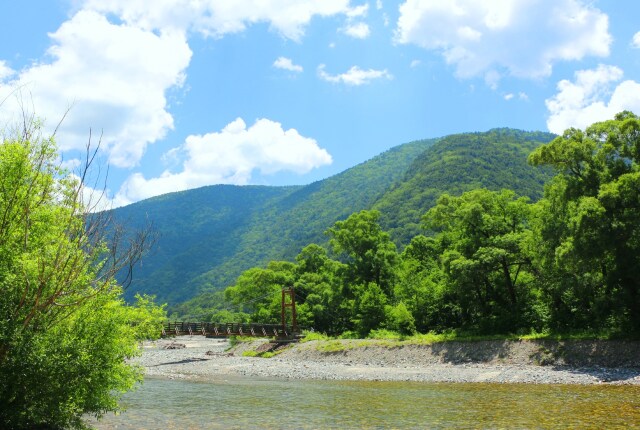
[589, 233]
[483, 236]
[371, 255]
[65, 331]
[370, 308]
[422, 286]
[257, 290]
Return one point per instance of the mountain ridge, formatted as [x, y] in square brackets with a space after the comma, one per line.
[208, 236]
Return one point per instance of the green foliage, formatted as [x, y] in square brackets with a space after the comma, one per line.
[589, 231]
[494, 160]
[370, 308]
[371, 256]
[65, 332]
[313, 335]
[482, 242]
[399, 319]
[385, 334]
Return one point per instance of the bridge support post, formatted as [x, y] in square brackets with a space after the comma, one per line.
[291, 303]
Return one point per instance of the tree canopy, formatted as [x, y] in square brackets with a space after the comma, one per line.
[489, 261]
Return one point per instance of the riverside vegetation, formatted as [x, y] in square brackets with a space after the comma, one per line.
[489, 262]
[65, 329]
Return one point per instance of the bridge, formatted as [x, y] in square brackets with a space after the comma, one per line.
[282, 332]
[229, 329]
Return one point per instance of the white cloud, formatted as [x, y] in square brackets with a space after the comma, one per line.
[636, 40]
[521, 38]
[378, 4]
[113, 62]
[219, 17]
[5, 71]
[286, 64]
[521, 96]
[358, 11]
[358, 30]
[594, 95]
[354, 76]
[415, 63]
[97, 70]
[229, 157]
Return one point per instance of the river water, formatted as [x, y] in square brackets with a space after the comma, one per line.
[242, 403]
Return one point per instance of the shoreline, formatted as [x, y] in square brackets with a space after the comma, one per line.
[530, 362]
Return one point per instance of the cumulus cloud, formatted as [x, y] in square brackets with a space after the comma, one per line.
[594, 95]
[358, 30]
[113, 62]
[635, 42]
[217, 18]
[5, 71]
[354, 28]
[96, 69]
[286, 64]
[519, 38]
[230, 156]
[358, 11]
[355, 76]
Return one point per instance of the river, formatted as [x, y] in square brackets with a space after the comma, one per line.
[243, 403]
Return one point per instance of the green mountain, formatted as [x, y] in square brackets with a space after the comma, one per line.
[208, 236]
[496, 159]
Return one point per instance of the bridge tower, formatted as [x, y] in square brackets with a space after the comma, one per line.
[288, 292]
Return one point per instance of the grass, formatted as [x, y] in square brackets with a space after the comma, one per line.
[266, 354]
[331, 346]
[390, 339]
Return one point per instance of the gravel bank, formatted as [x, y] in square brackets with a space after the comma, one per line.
[540, 362]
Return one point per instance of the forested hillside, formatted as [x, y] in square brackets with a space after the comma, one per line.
[494, 160]
[208, 236]
[489, 262]
[196, 230]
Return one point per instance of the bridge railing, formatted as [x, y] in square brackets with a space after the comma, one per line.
[209, 329]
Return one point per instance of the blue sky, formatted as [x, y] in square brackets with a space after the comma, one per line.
[189, 93]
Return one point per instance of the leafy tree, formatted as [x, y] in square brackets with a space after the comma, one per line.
[319, 287]
[371, 255]
[589, 233]
[422, 286]
[482, 237]
[257, 291]
[400, 319]
[370, 308]
[65, 332]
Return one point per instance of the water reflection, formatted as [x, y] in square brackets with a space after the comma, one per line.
[246, 403]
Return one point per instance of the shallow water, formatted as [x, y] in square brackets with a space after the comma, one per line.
[243, 403]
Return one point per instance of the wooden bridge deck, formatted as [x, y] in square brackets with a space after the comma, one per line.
[228, 329]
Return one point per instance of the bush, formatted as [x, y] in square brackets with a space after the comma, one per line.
[65, 331]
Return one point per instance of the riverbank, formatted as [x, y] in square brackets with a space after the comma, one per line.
[503, 361]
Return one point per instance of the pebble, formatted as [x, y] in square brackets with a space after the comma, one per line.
[204, 360]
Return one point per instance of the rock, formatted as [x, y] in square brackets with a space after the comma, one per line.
[175, 346]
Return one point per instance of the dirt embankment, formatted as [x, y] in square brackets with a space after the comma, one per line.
[579, 353]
